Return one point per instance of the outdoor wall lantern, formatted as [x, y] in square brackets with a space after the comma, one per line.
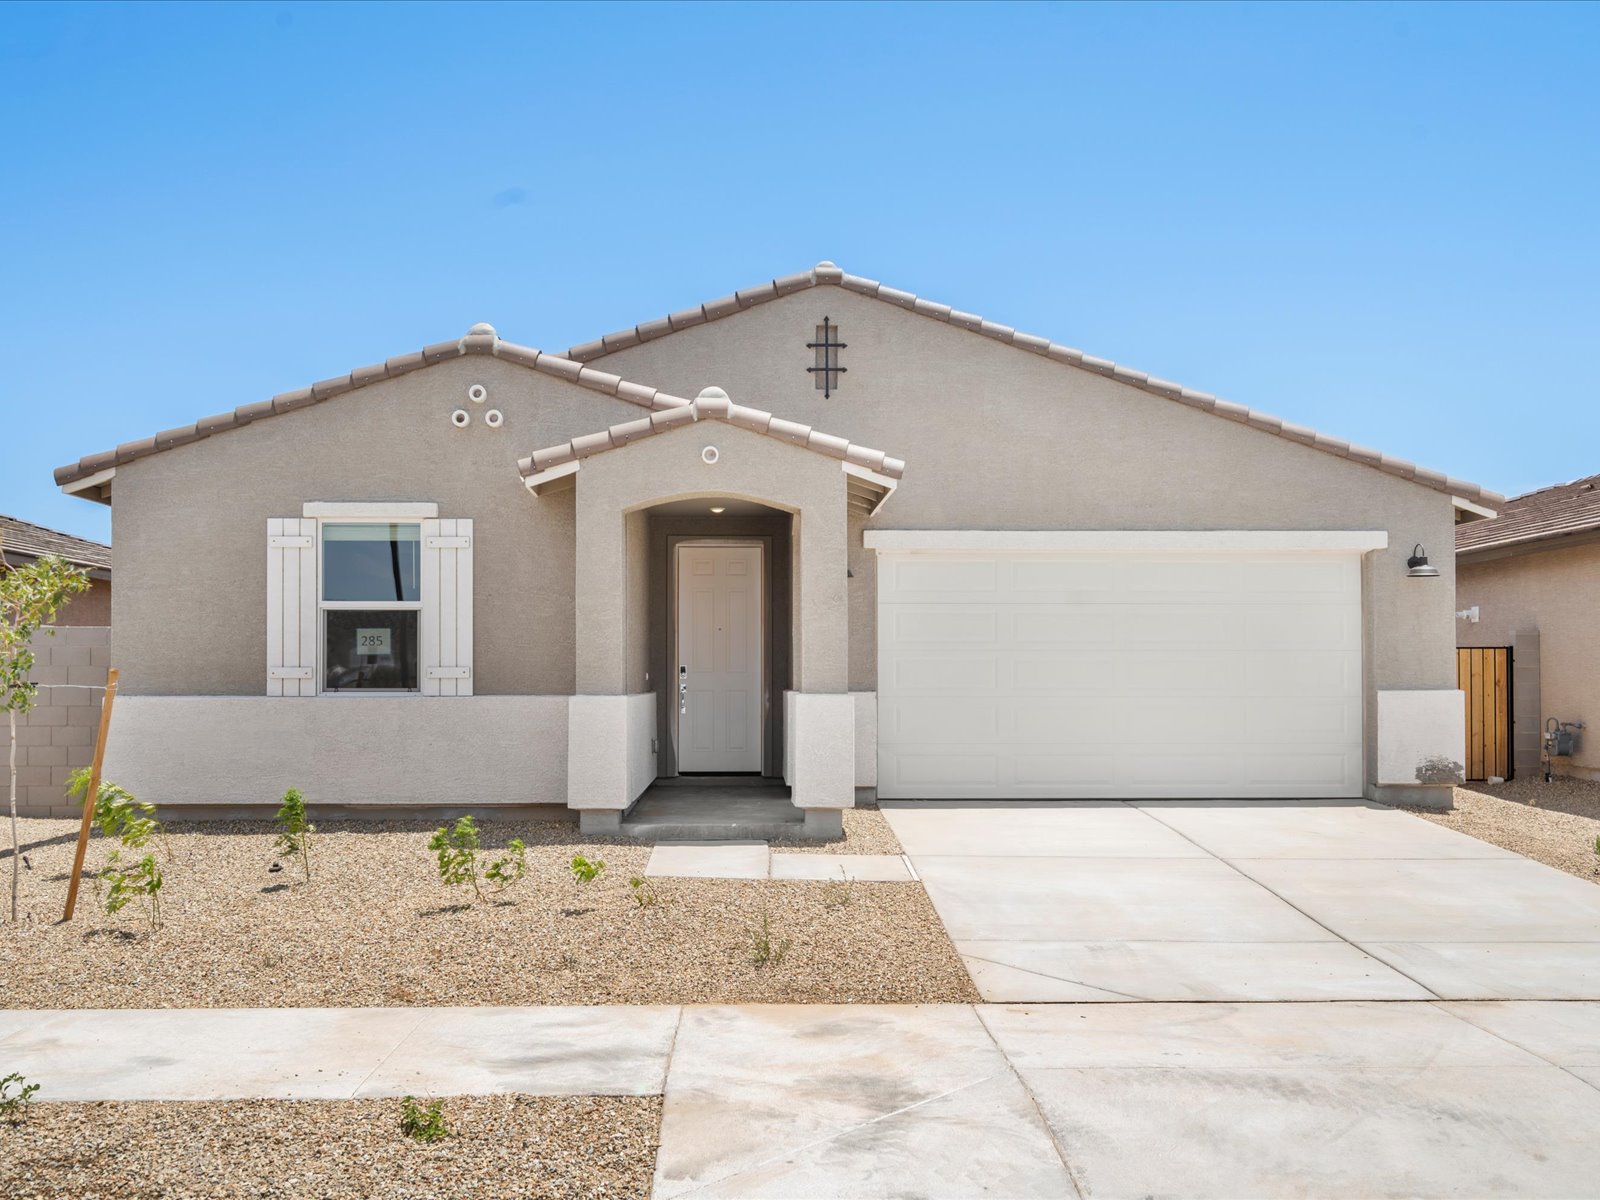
[1418, 562]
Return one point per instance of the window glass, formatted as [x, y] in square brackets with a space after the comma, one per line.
[370, 648]
[372, 562]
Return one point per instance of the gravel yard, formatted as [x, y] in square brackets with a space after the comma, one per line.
[525, 1146]
[1554, 823]
[865, 832]
[376, 927]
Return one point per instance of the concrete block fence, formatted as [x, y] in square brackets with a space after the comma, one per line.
[57, 737]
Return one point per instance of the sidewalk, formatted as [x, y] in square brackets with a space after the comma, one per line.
[1314, 1099]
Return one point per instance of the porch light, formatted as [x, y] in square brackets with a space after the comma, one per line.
[717, 508]
[1418, 562]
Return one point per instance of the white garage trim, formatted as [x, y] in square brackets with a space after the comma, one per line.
[1134, 541]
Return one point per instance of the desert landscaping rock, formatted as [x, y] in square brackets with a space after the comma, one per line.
[1555, 823]
[376, 928]
[865, 832]
[554, 1147]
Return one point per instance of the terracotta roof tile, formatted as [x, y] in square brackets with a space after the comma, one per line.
[710, 405]
[826, 273]
[481, 339]
[1552, 512]
[24, 539]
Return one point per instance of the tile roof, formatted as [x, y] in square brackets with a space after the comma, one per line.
[711, 405]
[1550, 512]
[24, 538]
[480, 339]
[826, 274]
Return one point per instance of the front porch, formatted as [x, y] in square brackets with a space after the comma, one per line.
[712, 622]
[715, 808]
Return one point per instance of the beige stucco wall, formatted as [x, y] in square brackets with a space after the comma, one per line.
[189, 611]
[750, 466]
[999, 438]
[1556, 594]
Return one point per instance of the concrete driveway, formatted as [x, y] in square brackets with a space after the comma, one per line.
[1245, 901]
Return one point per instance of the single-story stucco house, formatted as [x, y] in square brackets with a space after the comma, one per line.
[1528, 592]
[822, 530]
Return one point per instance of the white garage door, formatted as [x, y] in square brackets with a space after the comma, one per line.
[1073, 675]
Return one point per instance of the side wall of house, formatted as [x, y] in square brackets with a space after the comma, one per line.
[998, 438]
[1552, 593]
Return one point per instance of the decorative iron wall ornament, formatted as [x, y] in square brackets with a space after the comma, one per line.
[827, 359]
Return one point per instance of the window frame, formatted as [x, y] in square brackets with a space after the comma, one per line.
[326, 514]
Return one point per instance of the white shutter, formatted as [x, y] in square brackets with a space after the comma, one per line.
[291, 607]
[447, 608]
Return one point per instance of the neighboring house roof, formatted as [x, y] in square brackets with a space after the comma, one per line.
[873, 473]
[19, 538]
[1552, 512]
[825, 274]
[480, 339]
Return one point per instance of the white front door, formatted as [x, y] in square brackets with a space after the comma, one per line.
[1117, 676]
[719, 658]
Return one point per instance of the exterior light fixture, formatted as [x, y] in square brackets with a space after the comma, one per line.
[1418, 562]
[717, 508]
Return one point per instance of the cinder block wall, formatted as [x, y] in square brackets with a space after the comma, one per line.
[57, 737]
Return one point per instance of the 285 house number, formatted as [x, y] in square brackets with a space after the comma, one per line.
[372, 641]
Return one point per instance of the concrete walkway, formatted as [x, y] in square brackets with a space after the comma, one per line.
[1245, 901]
[1062, 1100]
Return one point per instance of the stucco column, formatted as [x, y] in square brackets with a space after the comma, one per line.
[822, 608]
[600, 597]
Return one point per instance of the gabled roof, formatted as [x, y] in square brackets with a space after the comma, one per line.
[480, 339]
[825, 274]
[1552, 512]
[873, 474]
[19, 538]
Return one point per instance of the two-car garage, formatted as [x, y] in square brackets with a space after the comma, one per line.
[1072, 665]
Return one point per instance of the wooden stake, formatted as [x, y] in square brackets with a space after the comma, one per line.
[91, 795]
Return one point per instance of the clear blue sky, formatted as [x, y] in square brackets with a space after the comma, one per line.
[1378, 221]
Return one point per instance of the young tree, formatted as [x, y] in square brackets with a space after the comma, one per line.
[30, 597]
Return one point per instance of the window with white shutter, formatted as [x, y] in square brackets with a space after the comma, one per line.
[358, 602]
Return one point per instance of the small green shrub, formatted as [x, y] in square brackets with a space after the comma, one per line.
[457, 850]
[294, 830]
[586, 870]
[644, 892]
[117, 814]
[124, 882]
[15, 1095]
[767, 950]
[423, 1124]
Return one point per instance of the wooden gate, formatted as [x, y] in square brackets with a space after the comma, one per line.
[1484, 674]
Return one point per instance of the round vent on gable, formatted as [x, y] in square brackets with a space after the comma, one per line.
[461, 418]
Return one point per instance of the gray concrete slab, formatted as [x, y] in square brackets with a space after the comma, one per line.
[708, 860]
[1012, 971]
[1105, 899]
[601, 1050]
[1068, 829]
[796, 1100]
[1497, 970]
[1234, 829]
[201, 1054]
[1436, 900]
[1221, 1037]
[1567, 1035]
[881, 868]
[1306, 1100]
[18, 1020]
[1312, 1133]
